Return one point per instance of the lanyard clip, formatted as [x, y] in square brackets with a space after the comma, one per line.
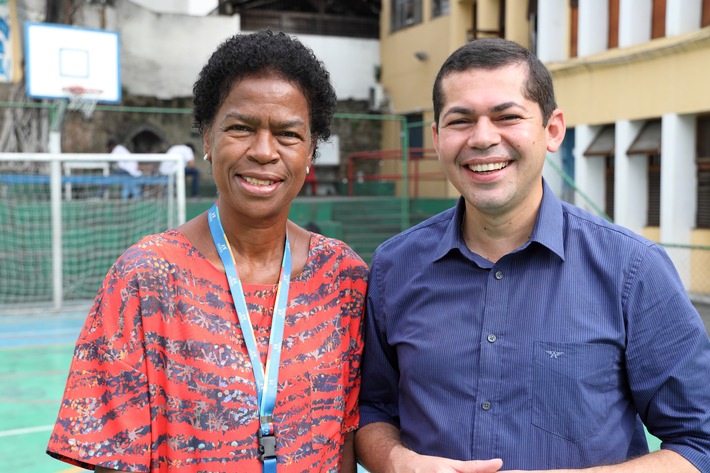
[267, 445]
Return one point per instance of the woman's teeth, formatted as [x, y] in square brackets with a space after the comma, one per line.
[257, 182]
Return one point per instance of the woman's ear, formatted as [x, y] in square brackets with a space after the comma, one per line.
[206, 146]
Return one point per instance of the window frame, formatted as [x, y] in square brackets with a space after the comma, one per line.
[401, 17]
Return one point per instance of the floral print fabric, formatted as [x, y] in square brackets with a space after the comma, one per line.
[161, 379]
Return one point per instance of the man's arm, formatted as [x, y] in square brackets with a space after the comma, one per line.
[347, 462]
[380, 450]
[661, 461]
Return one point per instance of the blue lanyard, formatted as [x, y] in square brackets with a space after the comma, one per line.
[265, 390]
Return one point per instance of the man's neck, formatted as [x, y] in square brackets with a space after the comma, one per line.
[493, 236]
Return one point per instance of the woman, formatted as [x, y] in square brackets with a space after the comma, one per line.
[233, 342]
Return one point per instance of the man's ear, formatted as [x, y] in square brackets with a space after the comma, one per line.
[435, 136]
[555, 130]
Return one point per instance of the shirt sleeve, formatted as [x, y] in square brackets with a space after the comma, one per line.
[668, 358]
[357, 275]
[104, 417]
[380, 375]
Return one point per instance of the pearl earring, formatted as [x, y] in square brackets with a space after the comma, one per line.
[205, 158]
[308, 170]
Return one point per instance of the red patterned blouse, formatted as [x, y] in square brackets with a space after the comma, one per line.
[161, 379]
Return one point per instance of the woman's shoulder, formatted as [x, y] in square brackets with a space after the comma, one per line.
[332, 259]
[169, 246]
[334, 248]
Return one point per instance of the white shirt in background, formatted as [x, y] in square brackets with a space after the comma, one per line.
[169, 167]
[130, 166]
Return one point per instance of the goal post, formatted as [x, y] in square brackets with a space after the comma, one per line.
[65, 218]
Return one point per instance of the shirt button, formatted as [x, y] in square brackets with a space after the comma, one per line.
[491, 338]
[499, 275]
[486, 406]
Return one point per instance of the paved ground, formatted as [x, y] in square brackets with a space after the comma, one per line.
[34, 361]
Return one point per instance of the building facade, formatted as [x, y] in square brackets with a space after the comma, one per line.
[631, 77]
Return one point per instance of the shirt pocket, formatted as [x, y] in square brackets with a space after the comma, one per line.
[327, 407]
[571, 382]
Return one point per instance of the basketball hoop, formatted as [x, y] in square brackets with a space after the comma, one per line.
[82, 99]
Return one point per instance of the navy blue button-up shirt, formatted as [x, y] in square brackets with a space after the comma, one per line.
[550, 358]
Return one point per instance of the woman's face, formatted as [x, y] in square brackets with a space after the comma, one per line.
[260, 145]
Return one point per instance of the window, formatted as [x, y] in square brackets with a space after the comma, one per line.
[574, 27]
[702, 219]
[658, 25]
[439, 8]
[603, 146]
[653, 218]
[406, 13]
[613, 24]
[648, 142]
[609, 187]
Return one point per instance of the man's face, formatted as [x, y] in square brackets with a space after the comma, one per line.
[491, 140]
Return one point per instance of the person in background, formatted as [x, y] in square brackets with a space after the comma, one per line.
[516, 332]
[232, 343]
[186, 152]
[126, 167]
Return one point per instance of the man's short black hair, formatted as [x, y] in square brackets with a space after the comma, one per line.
[494, 53]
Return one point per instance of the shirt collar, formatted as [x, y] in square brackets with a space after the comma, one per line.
[549, 225]
[548, 230]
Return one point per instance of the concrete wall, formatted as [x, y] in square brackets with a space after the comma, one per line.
[648, 80]
[185, 7]
[161, 54]
[350, 61]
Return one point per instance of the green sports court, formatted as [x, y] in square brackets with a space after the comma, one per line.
[35, 355]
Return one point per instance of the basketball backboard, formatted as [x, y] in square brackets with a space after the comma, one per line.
[61, 60]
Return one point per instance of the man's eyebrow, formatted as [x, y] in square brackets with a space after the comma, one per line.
[495, 109]
[458, 110]
[505, 106]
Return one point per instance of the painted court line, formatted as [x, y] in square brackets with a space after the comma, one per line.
[27, 430]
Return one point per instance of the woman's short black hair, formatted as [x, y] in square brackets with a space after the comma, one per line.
[264, 52]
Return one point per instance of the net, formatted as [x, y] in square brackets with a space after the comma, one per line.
[64, 221]
[82, 99]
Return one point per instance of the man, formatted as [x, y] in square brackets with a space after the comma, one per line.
[187, 153]
[517, 329]
[126, 167]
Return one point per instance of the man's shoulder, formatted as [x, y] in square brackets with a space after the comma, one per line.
[422, 236]
[598, 228]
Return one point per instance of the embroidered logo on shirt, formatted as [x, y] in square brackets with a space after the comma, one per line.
[554, 354]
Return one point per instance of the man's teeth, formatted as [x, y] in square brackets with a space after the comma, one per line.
[257, 182]
[487, 167]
